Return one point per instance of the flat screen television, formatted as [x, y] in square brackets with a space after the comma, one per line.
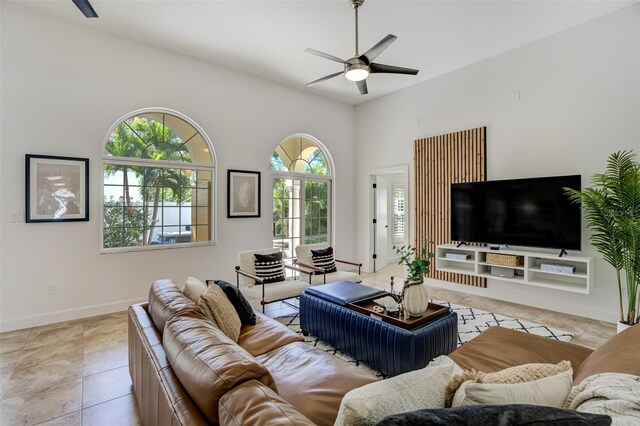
[522, 212]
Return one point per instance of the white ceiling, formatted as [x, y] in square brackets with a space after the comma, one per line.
[268, 38]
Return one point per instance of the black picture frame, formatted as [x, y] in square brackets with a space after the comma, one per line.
[243, 193]
[56, 189]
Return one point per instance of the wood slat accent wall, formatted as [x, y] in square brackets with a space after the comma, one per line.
[440, 161]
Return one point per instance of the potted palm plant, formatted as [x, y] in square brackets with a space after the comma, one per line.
[417, 261]
[612, 211]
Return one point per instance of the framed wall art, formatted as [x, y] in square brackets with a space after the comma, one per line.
[57, 189]
[243, 193]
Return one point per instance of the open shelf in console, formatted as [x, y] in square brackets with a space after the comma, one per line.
[529, 273]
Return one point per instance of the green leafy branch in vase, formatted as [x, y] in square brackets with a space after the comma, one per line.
[417, 260]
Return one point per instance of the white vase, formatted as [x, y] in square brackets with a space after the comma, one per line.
[622, 327]
[416, 299]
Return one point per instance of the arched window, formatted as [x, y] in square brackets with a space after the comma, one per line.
[158, 182]
[302, 185]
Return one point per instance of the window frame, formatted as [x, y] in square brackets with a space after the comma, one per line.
[144, 162]
[329, 177]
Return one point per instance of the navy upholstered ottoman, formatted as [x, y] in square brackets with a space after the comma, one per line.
[391, 350]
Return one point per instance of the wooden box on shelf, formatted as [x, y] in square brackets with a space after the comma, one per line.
[504, 259]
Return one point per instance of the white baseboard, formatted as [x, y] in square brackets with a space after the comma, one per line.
[66, 315]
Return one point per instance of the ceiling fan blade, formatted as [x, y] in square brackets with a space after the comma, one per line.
[324, 55]
[390, 69]
[373, 53]
[85, 7]
[362, 87]
[326, 77]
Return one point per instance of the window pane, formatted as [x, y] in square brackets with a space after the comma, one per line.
[300, 155]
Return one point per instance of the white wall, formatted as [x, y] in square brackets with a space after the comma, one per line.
[579, 101]
[64, 86]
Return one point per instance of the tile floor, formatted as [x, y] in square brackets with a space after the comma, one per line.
[76, 372]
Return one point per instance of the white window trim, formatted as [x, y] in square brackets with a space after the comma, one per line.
[107, 159]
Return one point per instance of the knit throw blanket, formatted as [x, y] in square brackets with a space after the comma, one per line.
[614, 394]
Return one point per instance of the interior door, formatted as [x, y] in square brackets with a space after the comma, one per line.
[382, 218]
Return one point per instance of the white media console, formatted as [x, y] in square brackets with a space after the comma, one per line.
[529, 273]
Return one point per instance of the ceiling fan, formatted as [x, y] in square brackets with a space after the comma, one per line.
[358, 67]
[85, 7]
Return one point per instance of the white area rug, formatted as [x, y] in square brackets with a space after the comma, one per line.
[471, 322]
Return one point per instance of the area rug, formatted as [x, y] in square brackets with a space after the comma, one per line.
[471, 322]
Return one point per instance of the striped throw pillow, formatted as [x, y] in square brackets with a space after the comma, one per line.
[324, 259]
[269, 267]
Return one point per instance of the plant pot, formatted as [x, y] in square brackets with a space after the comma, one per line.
[416, 299]
[622, 327]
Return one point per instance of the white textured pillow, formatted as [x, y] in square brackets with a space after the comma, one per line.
[549, 391]
[416, 390]
[194, 288]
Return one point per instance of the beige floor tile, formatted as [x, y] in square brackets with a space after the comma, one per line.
[11, 334]
[100, 340]
[42, 376]
[121, 411]
[106, 386]
[590, 340]
[571, 323]
[106, 359]
[12, 344]
[5, 375]
[62, 332]
[602, 328]
[104, 323]
[52, 352]
[41, 405]
[9, 359]
[73, 419]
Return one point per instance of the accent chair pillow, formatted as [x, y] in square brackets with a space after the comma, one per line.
[503, 415]
[269, 267]
[324, 259]
[217, 307]
[239, 302]
[194, 288]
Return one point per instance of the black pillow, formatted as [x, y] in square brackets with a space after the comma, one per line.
[503, 415]
[241, 305]
[269, 267]
[324, 259]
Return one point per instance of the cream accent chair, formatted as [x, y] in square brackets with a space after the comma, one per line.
[246, 280]
[303, 259]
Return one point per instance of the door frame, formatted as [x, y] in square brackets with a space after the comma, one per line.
[390, 170]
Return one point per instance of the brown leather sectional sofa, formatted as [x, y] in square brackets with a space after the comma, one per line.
[186, 372]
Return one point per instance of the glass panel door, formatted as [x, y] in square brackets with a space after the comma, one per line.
[316, 212]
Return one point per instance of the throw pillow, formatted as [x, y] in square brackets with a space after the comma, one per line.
[324, 259]
[504, 415]
[217, 307]
[194, 288]
[550, 391]
[415, 390]
[239, 302]
[512, 375]
[269, 267]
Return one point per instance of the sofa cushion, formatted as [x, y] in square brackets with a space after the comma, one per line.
[415, 390]
[216, 306]
[239, 302]
[620, 354]
[194, 288]
[266, 335]
[498, 348]
[208, 363]
[313, 381]
[166, 299]
[269, 267]
[549, 391]
[246, 261]
[323, 258]
[504, 415]
[253, 403]
[512, 375]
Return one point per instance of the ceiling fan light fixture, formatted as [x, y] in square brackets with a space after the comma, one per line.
[356, 72]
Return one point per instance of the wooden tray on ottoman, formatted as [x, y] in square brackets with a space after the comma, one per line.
[433, 312]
